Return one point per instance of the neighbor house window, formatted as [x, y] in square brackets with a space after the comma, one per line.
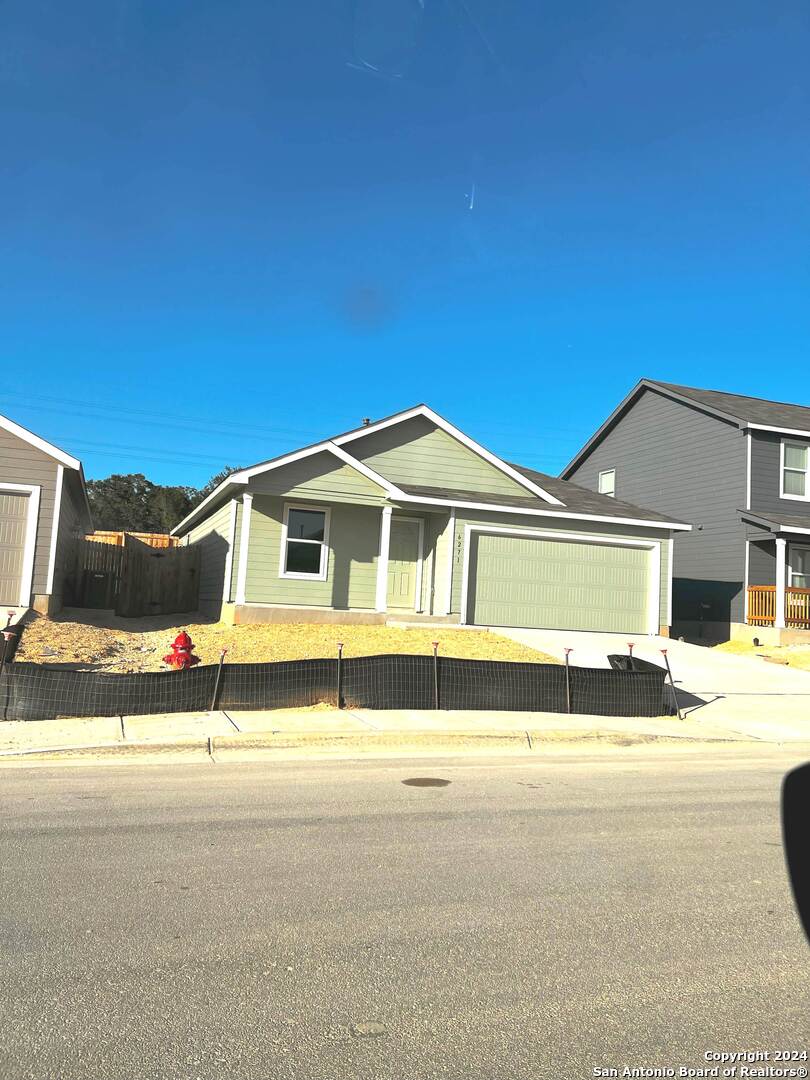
[305, 538]
[799, 567]
[794, 471]
[607, 482]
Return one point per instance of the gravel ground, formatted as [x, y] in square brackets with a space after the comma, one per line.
[108, 643]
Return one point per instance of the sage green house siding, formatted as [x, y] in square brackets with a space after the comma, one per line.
[354, 536]
[212, 536]
[417, 452]
[321, 476]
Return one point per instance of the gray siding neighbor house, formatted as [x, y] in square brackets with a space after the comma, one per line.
[410, 518]
[738, 469]
[43, 510]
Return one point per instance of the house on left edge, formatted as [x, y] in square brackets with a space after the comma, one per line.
[43, 511]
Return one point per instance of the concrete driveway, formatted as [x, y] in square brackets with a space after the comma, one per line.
[747, 696]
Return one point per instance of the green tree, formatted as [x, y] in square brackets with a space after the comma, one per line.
[132, 503]
[214, 482]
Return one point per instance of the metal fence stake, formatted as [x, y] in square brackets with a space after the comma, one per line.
[567, 681]
[340, 675]
[672, 684]
[216, 681]
[435, 674]
[8, 635]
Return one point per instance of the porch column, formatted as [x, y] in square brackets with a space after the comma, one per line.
[781, 561]
[244, 542]
[382, 559]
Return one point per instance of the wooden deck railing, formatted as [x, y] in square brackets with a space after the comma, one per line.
[762, 606]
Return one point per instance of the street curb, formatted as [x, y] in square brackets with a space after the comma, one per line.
[218, 746]
[118, 749]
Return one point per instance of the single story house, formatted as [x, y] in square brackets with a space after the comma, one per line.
[43, 510]
[738, 468]
[409, 517]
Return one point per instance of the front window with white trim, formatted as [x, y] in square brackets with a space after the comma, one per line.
[305, 542]
[799, 577]
[607, 482]
[794, 471]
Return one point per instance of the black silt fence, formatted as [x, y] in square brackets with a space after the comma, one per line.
[501, 685]
[388, 682]
[39, 692]
[288, 684]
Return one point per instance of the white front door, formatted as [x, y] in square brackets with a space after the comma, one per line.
[403, 564]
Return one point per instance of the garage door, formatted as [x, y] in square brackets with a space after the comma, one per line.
[558, 584]
[13, 516]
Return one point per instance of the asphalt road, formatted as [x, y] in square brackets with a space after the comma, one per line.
[325, 921]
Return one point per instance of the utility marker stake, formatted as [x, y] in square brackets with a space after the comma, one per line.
[216, 681]
[567, 680]
[672, 684]
[435, 674]
[340, 675]
[8, 636]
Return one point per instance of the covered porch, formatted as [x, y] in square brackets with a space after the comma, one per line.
[778, 574]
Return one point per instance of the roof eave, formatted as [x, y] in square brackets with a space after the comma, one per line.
[626, 402]
[563, 512]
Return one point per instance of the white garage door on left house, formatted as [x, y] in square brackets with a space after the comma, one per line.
[13, 522]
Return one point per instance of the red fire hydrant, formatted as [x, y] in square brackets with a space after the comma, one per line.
[181, 655]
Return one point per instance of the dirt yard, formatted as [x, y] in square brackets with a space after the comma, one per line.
[124, 645]
[795, 656]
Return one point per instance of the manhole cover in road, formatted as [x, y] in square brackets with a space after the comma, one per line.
[426, 781]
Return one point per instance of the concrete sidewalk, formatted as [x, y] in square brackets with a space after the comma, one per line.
[742, 694]
[330, 732]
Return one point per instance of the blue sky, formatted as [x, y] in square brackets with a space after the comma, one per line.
[229, 229]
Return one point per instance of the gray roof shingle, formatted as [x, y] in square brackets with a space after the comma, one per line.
[576, 499]
[748, 409]
[797, 521]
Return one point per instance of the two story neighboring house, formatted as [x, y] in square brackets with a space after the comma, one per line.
[738, 469]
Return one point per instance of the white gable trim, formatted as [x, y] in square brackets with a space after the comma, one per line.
[364, 470]
[40, 444]
[456, 433]
[335, 446]
[327, 446]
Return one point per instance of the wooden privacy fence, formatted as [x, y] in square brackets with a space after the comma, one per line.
[155, 540]
[136, 579]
